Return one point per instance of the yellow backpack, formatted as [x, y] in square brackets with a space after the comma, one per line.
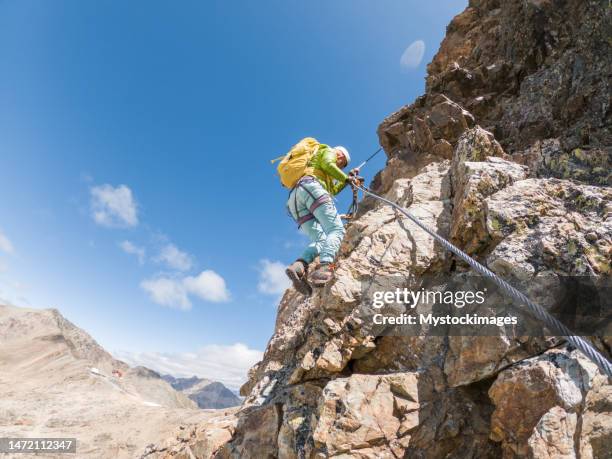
[294, 165]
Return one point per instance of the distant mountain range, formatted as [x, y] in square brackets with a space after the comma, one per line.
[57, 381]
[204, 392]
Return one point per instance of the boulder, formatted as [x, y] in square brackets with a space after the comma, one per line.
[539, 402]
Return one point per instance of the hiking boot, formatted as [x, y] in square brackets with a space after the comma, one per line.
[323, 274]
[297, 273]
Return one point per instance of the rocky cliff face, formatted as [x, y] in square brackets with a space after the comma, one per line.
[507, 154]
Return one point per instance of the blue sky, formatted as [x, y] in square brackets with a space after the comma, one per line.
[136, 191]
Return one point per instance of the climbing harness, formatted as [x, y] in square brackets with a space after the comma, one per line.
[326, 197]
[352, 210]
[538, 311]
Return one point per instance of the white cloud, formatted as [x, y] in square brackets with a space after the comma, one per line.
[5, 244]
[174, 292]
[13, 293]
[413, 55]
[208, 285]
[113, 206]
[272, 278]
[175, 258]
[133, 249]
[227, 364]
[167, 292]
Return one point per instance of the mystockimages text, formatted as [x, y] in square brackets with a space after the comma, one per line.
[413, 298]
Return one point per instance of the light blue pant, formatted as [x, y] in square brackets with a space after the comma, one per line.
[325, 230]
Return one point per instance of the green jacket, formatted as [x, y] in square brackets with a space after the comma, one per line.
[327, 171]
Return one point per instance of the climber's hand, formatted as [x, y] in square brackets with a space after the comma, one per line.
[356, 180]
[354, 172]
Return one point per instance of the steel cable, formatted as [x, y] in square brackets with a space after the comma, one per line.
[538, 311]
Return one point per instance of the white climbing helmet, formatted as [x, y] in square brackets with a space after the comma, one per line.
[344, 152]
